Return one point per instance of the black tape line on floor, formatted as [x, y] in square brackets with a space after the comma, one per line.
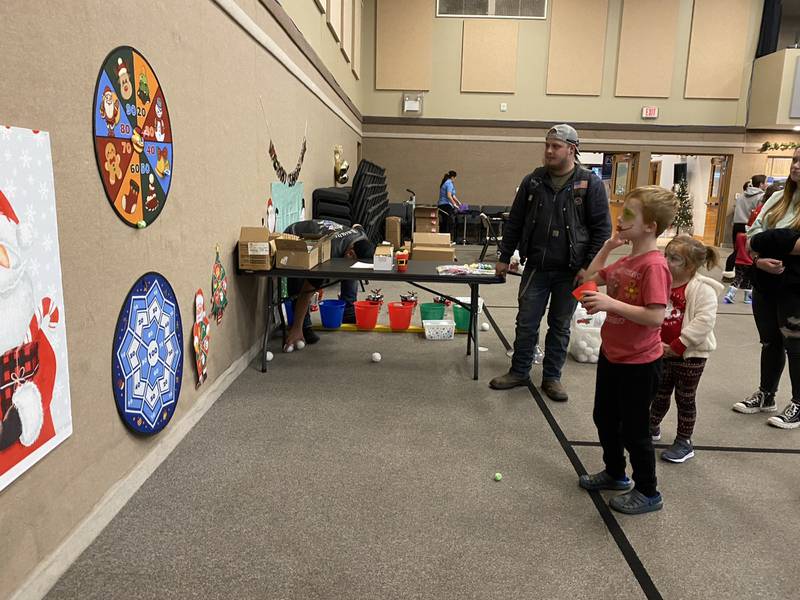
[708, 448]
[634, 563]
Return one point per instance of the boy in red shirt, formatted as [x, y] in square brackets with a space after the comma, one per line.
[629, 367]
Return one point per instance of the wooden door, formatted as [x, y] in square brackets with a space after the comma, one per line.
[623, 179]
[655, 173]
[717, 186]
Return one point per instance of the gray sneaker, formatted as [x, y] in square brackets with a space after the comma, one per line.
[508, 381]
[604, 481]
[636, 503]
[758, 401]
[680, 451]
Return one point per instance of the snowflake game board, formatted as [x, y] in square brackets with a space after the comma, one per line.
[147, 361]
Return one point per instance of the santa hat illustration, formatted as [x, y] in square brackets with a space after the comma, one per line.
[6, 209]
[121, 67]
[9, 223]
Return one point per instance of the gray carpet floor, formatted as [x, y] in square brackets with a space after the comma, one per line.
[335, 477]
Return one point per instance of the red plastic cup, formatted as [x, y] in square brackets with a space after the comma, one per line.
[589, 286]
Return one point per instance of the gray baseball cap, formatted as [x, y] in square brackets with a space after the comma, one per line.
[565, 133]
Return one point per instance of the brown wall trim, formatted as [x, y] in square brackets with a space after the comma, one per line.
[496, 123]
[286, 23]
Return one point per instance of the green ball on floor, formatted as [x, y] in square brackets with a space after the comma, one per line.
[498, 476]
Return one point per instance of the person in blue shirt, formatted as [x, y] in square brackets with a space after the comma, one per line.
[448, 202]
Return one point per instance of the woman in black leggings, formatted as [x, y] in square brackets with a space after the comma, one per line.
[775, 245]
[448, 202]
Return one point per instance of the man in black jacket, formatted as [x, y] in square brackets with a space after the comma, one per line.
[558, 222]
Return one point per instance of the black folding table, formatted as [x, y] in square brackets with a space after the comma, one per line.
[419, 272]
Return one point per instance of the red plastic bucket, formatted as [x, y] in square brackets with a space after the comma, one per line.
[366, 314]
[400, 315]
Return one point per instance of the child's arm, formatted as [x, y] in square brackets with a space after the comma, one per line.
[697, 330]
[599, 262]
[651, 315]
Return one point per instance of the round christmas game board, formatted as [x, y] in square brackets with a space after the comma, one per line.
[147, 362]
[132, 137]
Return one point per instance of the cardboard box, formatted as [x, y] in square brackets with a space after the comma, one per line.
[426, 218]
[437, 253]
[293, 253]
[256, 249]
[393, 225]
[426, 212]
[384, 258]
[433, 246]
[431, 239]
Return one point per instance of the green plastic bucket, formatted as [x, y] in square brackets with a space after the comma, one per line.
[461, 317]
[431, 311]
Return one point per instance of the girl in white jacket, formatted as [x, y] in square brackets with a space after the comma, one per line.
[687, 335]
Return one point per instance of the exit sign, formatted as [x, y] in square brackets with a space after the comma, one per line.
[649, 112]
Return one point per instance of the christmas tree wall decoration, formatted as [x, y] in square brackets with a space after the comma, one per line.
[683, 218]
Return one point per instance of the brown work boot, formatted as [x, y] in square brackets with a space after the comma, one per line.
[508, 381]
[554, 390]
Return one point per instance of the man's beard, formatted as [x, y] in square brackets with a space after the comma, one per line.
[17, 307]
[558, 167]
[108, 109]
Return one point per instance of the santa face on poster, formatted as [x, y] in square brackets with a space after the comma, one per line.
[35, 412]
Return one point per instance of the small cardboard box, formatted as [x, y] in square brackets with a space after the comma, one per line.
[256, 249]
[393, 225]
[426, 212]
[384, 258]
[433, 246]
[293, 253]
[426, 218]
[431, 239]
[438, 253]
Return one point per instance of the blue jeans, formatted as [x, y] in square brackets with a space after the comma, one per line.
[534, 291]
[348, 291]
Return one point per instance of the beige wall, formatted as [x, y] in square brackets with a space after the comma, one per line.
[212, 73]
[773, 84]
[530, 101]
[313, 25]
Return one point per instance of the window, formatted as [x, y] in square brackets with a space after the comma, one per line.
[499, 9]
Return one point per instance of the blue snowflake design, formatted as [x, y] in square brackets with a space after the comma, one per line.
[148, 355]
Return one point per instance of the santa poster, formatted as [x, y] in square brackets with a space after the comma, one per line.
[35, 413]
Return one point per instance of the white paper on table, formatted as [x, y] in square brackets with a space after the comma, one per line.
[361, 265]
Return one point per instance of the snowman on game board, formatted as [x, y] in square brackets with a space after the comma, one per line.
[27, 361]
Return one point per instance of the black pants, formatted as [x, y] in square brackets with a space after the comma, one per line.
[622, 398]
[446, 218]
[777, 316]
[737, 229]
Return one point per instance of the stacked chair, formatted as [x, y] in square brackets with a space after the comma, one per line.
[366, 202]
